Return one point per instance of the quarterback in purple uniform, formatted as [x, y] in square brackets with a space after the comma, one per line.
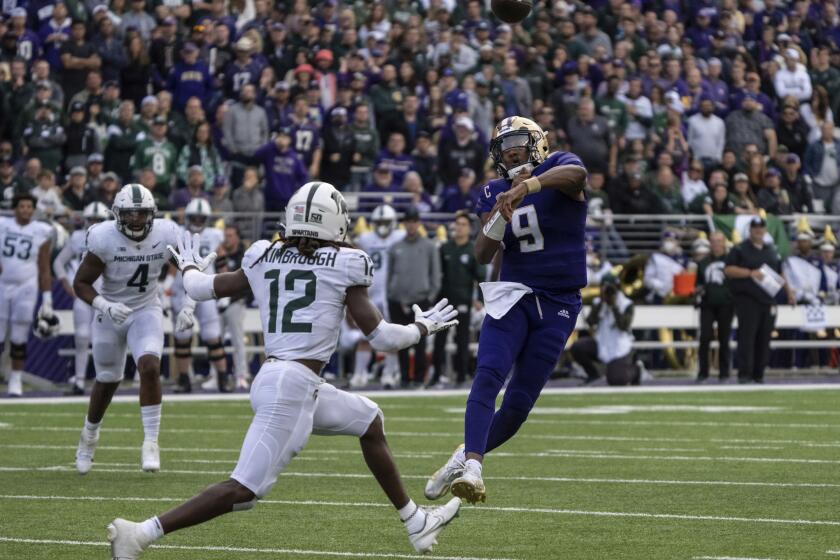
[536, 216]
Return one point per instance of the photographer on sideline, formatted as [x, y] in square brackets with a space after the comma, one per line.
[610, 320]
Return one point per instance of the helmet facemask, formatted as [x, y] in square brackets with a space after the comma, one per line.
[135, 223]
[196, 222]
[522, 138]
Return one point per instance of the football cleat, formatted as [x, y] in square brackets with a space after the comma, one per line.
[85, 451]
[469, 486]
[15, 388]
[359, 380]
[184, 384]
[127, 540]
[438, 484]
[436, 519]
[211, 384]
[150, 456]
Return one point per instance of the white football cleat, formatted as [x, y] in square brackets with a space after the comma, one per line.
[469, 486]
[243, 383]
[85, 451]
[436, 519]
[389, 380]
[438, 484]
[212, 383]
[359, 380]
[150, 456]
[127, 540]
[15, 384]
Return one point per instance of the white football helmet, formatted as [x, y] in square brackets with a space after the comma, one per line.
[134, 208]
[317, 210]
[95, 212]
[197, 213]
[384, 220]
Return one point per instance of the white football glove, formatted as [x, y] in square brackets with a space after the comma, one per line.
[438, 318]
[118, 312]
[187, 253]
[46, 323]
[222, 304]
[186, 318]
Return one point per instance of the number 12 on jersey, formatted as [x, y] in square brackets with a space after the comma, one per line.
[288, 325]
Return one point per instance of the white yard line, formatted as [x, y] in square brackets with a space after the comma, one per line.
[132, 468]
[729, 558]
[244, 550]
[485, 508]
[377, 395]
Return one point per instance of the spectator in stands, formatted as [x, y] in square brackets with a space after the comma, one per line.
[110, 50]
[191, 78]
[461, 151]
[95, 169]
[339, 148]
[48, 196]
[200, 151]
[44, 138]
[748, 125]
[195, 188]
[706, 134]
[425, 158]
[743, 196]
[122, 142]
[793, 79]
[78, 57]
[816, 112]
[629, 196]
[52, 34]
[518, 98]
[387, 96]
[393, 157]
[610, 343]
[420, 199]
[825, 75]
[667, 189]
[10, 183]
[407, 122]
[81, 138]
[156, 152]
[413, 278]
[138, 20]
[460, 275]
[795, 183]
[306, 135]
[220, 200]
[662, 266]
[248, 199]
[77, 192]
[366, 142]
[720, 202]
[107, 189]
[693, 185]
[591, 139]
[283, 170]
[792, 130]
[461, 196]
[822, 163]
[716, 306]
[754, 306]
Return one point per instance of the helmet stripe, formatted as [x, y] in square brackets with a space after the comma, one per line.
[136, 195]
[309, 198]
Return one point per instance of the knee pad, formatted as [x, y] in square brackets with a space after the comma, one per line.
[216, 350]
[17, 351]
[109, 376]
[245, 506]
[183, 348]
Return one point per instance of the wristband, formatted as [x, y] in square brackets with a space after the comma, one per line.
[46, 299]
[100, 304]
[532, 184]
[495, 227]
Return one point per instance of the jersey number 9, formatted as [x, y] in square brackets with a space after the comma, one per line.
[528, 233]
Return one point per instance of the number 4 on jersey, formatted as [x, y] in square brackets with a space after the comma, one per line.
[140, 279]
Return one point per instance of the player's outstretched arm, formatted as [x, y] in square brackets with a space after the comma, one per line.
[200, 286]
[389, 337]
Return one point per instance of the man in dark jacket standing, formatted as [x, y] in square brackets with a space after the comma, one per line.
[754, 306]
[460, 274]
[716, 306]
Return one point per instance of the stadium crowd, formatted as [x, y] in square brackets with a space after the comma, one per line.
[701, 107]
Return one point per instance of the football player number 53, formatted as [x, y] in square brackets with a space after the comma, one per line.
[526, 228]
[308, 280]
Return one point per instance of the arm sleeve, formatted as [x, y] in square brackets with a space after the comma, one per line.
[388, 337]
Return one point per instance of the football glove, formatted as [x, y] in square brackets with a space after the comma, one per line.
[46, 326]
[187, 253]
[185, 319]
[117, 312]
[438, 318]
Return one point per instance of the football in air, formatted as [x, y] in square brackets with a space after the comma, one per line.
[511, 11]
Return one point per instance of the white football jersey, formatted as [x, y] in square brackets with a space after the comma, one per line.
[19, 246]
[210, 239]
[132, 268]
[301, 299]
[377, 247]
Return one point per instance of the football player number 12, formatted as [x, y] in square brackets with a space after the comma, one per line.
[526, 228]
[309, 280]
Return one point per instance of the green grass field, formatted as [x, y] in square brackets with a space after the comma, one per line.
[593, 475]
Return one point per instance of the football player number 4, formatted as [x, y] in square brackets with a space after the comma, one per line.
[140, 278]
[302, 278]
[526, 228]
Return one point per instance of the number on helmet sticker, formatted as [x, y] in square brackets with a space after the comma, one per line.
[288, 325]
[526, 228]
[140, 279]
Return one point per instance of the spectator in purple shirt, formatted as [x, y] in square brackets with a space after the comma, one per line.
[393, 157]
[283, 169]
[194, 188]
[461, 196]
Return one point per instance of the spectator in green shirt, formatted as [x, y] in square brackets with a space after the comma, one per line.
[159, 154]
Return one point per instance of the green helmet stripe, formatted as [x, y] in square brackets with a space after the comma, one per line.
[309, 198]
[136, 195]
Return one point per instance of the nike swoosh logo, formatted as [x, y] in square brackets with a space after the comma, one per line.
[156, 244]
